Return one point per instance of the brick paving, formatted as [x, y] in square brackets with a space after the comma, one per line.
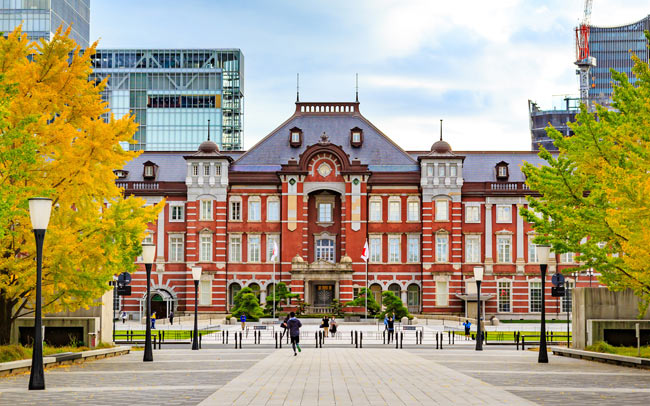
[335, 376]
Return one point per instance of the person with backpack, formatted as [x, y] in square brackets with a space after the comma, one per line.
[294, 332]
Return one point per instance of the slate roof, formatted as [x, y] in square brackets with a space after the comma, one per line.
[377, 151]
[172, 167]
[479, 166]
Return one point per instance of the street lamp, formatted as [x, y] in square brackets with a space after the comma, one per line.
[148, 255]
[196, 275]
[39, 212]
[478, 277]
[543, 252]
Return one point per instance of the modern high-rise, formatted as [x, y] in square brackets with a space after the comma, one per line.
[41, 18]
[613, 48]
[558, 117]
[176, 95]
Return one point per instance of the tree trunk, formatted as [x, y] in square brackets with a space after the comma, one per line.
[6, 321]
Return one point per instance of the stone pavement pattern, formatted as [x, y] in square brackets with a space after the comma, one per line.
[335, 376]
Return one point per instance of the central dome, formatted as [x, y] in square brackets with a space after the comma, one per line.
[208, 147]
[441, 147]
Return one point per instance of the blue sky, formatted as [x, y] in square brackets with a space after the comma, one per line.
[472, 63]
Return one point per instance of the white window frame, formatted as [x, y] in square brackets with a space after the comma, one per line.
[356, 136]
[502, 171]
[205, 247]
[442, 171]
[331, 257]
[442, 247]
[269, 247]
[394, 257]
[374, 215]
[442, 293]
[271, 213]
[181, 208]
[206, 210]
[206, 170]
[254, 251]
[472, 213]
[195, 169]
[532, 251]
[174, 255]
[533, 285]
[441, 214]
[295, 137]
[231, 251]
[394, 216]
[501, 284]
[472, 256]
[254, 209]
[430, 170]
[567, 258]
[374, 246]
[504, 256]
[217, 169]
[453, 170]
[235, 215]
[412, 249]
[504, 213]
[326, 212]
[205, 298]
[148, 171]
[413, 209]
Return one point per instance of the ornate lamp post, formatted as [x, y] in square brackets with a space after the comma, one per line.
[478, 276]
[39, 212]
[148, 255]
[196, 275]
[543, 252]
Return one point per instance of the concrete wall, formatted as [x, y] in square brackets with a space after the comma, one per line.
[89, 325]
[603, 304]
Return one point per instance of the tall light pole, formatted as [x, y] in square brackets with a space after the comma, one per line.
[478, 277]
[543, 252]
[148, 255]
[39, 212]
[196, 275]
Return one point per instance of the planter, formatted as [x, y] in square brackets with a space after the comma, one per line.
[354, 310]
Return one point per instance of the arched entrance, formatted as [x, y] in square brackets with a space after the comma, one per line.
[233, 289]
[163, 302]
[413, 298]
[159, 306]
[395, 288]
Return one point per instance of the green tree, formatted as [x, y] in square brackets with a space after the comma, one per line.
[594, 193]
[393, 304]
[373, 306]
[282, 296]
[56, 142]
[245, 302]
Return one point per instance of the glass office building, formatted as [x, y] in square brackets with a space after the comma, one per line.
[613, 48]
[41, 18]
[174, 95]
[564, 111]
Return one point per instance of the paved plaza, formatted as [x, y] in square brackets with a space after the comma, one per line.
[335, 376]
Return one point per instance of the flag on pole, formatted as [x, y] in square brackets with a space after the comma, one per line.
[364, 253]
[274, 254]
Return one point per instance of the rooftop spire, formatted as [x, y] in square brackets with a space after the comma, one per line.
[208, 129]
[297, 87]
[357, 88]
[440, 129]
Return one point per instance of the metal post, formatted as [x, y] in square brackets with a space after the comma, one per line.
[367, 285]
[384, 336]
[37, 374]
[316, 339]
[543, 355]
[240, 339]
[148, 352]
[396, 340]
[274, 289]
[401, 340]
[437, 341]
[360, 340]
[568, 332]
[195, 340]
[226, 337]
[479, 336]
[356, 339]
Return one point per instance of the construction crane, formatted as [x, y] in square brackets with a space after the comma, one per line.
[583, 58]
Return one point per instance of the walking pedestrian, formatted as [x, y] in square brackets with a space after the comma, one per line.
[325, 325]
[467, 326]
[386, 322]
[242, 318]
[391, 328]
[153, 320]
[123, 317]
[284, 326]
[333, 326]
[171, 318]
[294, 331]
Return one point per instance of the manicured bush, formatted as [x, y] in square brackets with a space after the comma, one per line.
[245, 302]
[393, 304]
[360, 301]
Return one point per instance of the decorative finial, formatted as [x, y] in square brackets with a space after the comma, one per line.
[297, 87]
[440, 129]
[324, 138]
[208, 129]
[357, 87]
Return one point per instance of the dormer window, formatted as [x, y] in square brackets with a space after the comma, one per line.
[149, 170]
[356, 137]
[502, 170]
[295, 137]
[121, 174]
[195, 170]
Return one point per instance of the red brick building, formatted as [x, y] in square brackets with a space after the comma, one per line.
[320, 185]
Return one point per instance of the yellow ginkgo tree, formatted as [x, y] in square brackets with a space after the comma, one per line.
[55, 142]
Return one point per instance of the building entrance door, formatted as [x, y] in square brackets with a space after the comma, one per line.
[324, 295]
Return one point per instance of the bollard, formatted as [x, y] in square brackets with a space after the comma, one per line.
[437, 342]
[396, 340]
[360, 340]
[200, 338]
[523, 342]
[163, 335]
[449, 337]
[453, 338]
[484, 335]
[226, 337]
[316, 339]
[442, 339]
[235, 340]
[356, 339]
[384, 336]
[351, 338]
[154, 342]
[401, 339]
[276, 339]
[287, 338]
[240, 339]
[321, 336]
[280, 340]
[223, 337]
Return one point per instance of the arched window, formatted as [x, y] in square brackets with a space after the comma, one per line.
[232, 292]
[375, 290]
[413, 297]
[325, 249]
[256, 290]
[395, 288]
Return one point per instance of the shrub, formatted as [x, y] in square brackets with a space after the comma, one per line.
[373, 306]
[393, 304]
[245, 302]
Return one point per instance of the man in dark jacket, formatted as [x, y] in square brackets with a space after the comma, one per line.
[294, 332]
